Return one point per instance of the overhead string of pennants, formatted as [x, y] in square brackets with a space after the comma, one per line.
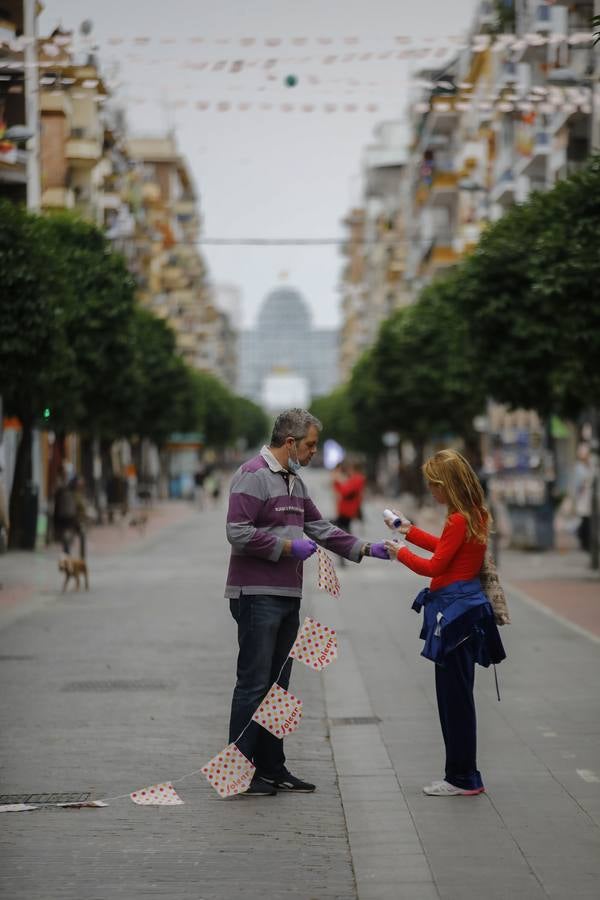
[270, 55]
[382, 46]
[280, 712]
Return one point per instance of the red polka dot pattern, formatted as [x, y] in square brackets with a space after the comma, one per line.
[316, 645]
[280, 712]
[328, 580]
[229, 772]
[157, 795]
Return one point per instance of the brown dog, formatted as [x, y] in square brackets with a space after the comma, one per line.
[73, 568]
[139, 521]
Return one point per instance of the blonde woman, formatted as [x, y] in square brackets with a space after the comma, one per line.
[458, 622]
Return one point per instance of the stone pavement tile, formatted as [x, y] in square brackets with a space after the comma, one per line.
[470, 877]
[358, 749]
[381, 863]
[493, 890]
[396, 890]
[155, 617]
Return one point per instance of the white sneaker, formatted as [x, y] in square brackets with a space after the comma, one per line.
[445, 789]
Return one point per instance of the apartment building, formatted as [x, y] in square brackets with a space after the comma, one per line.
[512, 113]
[13, 155]
[373, 280]
[170, 271]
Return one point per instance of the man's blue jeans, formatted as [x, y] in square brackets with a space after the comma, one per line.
[267, 628]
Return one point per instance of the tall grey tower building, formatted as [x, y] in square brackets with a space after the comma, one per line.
[284, 361]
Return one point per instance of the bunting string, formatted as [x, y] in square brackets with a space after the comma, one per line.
[280, 712]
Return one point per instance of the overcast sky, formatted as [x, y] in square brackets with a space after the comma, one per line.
[265, 173]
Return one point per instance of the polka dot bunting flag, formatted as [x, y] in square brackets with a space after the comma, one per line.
[280, 712]
[229, 772]
[328, 580]
[157, 795]
[316, 645]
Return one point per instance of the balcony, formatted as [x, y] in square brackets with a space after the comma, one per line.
[55, 101]
[84, 147]
[151, 192]
[444, 187]
[503, 191]
[533, 157]
[58, 198]
[185, 209]
[110, 200]
[441, 256]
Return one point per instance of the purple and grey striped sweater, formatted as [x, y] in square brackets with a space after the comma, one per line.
[263, 513]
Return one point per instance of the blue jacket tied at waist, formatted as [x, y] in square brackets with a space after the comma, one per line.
[454, 614]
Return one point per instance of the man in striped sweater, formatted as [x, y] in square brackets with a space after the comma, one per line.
[269, 513]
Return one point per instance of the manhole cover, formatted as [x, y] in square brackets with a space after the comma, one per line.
[139, 684]
[356, 720]
[68, 797]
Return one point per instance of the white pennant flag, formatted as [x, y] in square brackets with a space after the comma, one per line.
[328, 580]
[229, 772]
[157, 795]
[280, 712]
[316, 645]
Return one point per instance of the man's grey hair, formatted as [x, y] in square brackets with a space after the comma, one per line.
[293, 423]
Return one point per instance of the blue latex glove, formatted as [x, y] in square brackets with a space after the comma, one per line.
[302, 548]
[379, 551]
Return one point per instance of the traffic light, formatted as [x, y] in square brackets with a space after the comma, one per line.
[291, 81]
[47, 412]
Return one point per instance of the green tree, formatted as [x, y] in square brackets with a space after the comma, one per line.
[425, 368]
[251, 424]
[530, 293]
[97, 295]
[216, 408]
[368, 404]
[337, 415]
[37, 364]
[165, 393]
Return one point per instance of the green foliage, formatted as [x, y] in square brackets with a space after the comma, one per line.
[37, 364]
[531, 296]
[424, 367]
[164, 398]
[217, 409]
[339, 422]
[368, 404]
[251, 424]
[97, 296]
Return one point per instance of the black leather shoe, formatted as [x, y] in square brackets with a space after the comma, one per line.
[289, 782]
[259, 788]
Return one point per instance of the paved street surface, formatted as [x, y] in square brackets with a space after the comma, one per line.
[130, 685]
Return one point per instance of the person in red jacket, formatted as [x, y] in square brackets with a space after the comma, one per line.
[458, 621]
[349, 490]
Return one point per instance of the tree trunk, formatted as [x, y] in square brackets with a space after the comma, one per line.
[21, 489]
[595, 510]
[87, 465]
[55, 461]
[163, 478]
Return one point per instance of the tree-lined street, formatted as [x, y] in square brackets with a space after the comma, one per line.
[129, 685]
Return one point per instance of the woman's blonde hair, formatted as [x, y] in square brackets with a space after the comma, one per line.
[450, 470]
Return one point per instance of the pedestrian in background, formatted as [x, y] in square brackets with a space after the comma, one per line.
[349, 487]
[269, 512]
[70, 514]
[459, 629]
[583, 486]
[4, 512]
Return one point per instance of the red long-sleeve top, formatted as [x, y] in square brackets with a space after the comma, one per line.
[455, 556]
[350, 495]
